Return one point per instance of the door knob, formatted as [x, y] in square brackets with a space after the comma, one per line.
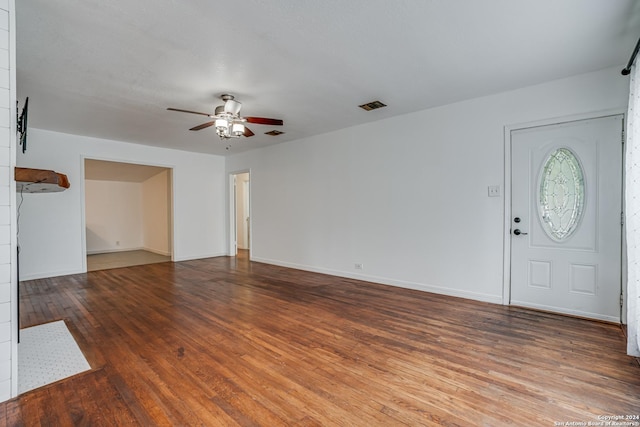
[517, 232]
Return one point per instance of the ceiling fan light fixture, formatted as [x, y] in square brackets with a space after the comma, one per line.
[227, 120]
[222, 127]
[232, 107]
[222, 123]
[237, 128]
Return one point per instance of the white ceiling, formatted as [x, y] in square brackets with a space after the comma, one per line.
[111, 68]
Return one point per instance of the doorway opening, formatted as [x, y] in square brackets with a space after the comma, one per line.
[563, 250]
[128, 214]
[240, 214]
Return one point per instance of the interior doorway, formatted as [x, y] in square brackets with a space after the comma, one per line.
[128, 214]
[241, 213]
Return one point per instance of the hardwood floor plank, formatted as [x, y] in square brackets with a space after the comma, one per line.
[225, 341]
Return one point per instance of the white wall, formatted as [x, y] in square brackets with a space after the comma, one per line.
[156, 205]
[113, 213]
[8, 265]
[52, 225]
[122, 216]
[407, 196]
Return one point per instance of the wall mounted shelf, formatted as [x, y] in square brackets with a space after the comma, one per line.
[40, 181]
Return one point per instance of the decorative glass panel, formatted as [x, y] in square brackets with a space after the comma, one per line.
[561, 197]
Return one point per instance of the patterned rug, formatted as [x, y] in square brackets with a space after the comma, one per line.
[48, 353]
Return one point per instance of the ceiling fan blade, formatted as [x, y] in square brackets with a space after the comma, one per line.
[187, 111]
[204, 125]
[247, 132]
[264, 121]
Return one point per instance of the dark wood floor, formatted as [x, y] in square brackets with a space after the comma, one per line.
[224, 341]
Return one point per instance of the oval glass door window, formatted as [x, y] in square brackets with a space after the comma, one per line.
[561, 194]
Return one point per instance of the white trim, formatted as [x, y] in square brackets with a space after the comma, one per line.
[156, 251]
[172, 208]
[506, 233]
[246, 204]
[47, 274]
[231, 213]
[200, 256]
[567, 119]
[83, 219]
[15, 321]
[140, 248]
[508, 129]
[612, 319]
[232, 235]
[495, 299]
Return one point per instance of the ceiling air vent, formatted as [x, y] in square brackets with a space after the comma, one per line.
[372, 105]
[274, 132]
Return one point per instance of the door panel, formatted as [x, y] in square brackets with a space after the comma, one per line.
[566, 205]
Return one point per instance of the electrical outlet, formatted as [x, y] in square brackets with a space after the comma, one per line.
[494, 191]
[358, 266]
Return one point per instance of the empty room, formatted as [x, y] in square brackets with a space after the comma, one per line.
[358, 213]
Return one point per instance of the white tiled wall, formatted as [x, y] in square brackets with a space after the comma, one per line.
[7, 205]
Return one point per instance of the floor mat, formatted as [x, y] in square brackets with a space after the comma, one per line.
[47, 353]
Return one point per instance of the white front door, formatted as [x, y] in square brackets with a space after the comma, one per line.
[566, 206]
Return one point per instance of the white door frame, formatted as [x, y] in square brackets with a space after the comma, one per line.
[246, 204]
[233, 231]
[170, 201]
[506, 277]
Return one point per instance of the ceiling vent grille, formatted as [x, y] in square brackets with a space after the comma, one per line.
[372, 105]
[274, 132]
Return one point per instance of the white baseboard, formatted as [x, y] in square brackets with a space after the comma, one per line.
[110, 251]
[578, 313]
[199, 256]
[157, 251]
[46, 275]
[495, 299]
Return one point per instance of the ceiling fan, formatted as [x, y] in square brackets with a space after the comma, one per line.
[227, 119]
